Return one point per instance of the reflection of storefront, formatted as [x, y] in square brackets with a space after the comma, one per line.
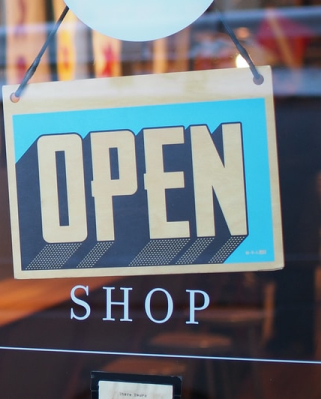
[271, 315]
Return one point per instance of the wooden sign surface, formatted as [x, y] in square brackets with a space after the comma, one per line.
[155, 174]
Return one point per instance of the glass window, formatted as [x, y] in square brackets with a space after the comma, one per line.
[260, 334]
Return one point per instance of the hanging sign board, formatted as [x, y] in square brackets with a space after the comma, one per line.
[173, 173]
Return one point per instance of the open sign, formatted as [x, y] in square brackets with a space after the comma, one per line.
[137, 183]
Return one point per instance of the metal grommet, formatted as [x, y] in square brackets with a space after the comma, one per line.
[14, 98]
[258, 80]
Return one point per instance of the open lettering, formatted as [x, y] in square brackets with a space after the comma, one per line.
[214, 173]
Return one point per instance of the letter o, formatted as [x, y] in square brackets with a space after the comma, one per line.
[170, 306]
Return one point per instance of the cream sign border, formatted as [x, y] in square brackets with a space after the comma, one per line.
[172, 88]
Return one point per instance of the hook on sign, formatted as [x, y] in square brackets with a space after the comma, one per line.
[15, 97]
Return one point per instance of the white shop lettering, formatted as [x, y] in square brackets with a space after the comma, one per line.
[83, 310]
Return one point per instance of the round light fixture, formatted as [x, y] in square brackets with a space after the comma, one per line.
[138, 20]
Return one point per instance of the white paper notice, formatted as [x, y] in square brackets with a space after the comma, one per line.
[122, 390]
